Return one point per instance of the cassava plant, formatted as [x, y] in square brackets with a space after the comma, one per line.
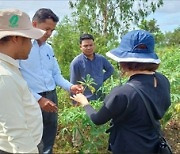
[88, 82]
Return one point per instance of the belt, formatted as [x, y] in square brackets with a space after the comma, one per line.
[47, 92]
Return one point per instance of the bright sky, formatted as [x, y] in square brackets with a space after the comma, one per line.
[168, 16]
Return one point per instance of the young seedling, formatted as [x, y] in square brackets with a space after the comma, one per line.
[88, 82]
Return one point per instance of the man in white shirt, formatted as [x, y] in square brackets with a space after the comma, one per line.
[21, 123]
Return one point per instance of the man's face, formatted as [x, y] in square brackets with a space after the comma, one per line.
[24, 45]
[87, 47]
[49, 26]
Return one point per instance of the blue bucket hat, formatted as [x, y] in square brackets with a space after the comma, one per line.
[128, 50]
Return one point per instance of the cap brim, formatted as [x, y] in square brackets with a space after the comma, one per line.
[33, 33]
[121, 56]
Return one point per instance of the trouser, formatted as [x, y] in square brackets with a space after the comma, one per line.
[49, 123]
[40, 147]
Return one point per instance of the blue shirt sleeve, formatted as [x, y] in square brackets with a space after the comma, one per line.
[74, 72]
[108, 68]
[59, 79]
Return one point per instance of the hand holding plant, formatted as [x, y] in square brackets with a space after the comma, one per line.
[75, 89]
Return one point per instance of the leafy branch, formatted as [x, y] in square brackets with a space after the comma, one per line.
[88, 82]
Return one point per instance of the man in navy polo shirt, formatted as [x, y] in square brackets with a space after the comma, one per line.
[89, 62]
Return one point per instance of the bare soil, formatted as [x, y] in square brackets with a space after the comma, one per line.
[172, 134]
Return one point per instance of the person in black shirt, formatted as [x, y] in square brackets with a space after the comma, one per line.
[134, 132]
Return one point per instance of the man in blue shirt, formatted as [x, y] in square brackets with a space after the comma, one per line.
[88, 62]
[42, 73]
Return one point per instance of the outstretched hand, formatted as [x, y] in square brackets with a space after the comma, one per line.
[75, 89]
[80, 98]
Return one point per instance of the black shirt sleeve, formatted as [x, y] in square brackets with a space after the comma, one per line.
[100, 117]
[114, 106]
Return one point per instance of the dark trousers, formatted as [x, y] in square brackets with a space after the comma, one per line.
[49, 123]
[40, 147]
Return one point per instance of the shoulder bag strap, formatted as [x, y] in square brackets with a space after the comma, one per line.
[147, 107]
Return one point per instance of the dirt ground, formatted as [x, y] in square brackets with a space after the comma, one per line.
[172, 134]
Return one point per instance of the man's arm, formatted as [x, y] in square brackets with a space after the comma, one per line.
[74, 72]
[59, 79]
[62, 82]
[109, 69]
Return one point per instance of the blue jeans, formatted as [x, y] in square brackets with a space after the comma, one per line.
[49, 123]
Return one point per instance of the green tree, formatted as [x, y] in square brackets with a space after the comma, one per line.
[153, 28]
[66, 44]
[106, 20]
[150, 26]
[112, 17]
[173, 38]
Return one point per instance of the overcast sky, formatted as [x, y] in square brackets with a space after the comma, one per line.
[168, 16]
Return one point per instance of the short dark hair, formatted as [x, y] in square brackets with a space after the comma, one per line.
[136, 66]
[86, 37]
[42, 14]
